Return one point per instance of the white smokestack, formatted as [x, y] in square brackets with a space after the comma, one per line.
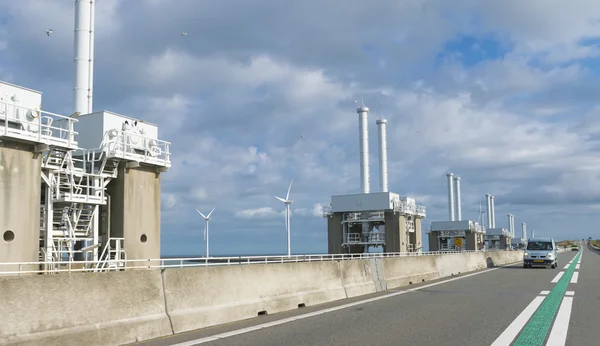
[363, 129]
[383, 164]
[458, 206]
[83, 78]
[489, 210]
[493, 212]
[450, 196]
[510, 226]
[532, 234]
[524, 230]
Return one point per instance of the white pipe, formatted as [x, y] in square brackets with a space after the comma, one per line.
[383, 164]
[510, 229]
[532, 234]
[489, 210]
[512, 225]
[524, 230]
[458, 205]
[363, 129]
[493, 212]
[84, 50]
[450, 196]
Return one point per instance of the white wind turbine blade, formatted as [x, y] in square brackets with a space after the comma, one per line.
[281, 199]
[287, 197]
[199, 212]
[213, 209]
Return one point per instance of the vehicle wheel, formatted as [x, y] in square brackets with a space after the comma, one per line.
[524, 265]
[553, 266]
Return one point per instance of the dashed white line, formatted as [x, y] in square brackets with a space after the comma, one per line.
[509, 334]
[570, 293]
[545, 293]
[567, 266]
[557, 277]
[575, 277]
[577, 266]
[558, 335]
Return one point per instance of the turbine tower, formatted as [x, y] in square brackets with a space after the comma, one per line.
[206, 219]
[287, 203]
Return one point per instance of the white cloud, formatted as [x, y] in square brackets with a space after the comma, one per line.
[258, 213]
[315, 211]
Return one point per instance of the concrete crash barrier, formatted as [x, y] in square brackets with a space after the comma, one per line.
[362, 277]
[83, 308]
[203, 297]
[500, 258]
[402, 271]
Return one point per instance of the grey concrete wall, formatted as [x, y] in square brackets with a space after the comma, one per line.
[416, 237]
[20, 189]
[471, 241]
[433, 241]
[135, 197]
[392, 232]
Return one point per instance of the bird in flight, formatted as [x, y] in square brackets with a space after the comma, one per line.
[49, 32]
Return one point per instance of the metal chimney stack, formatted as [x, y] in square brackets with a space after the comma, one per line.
[83, 79]
[532, 234]
[511, 225]
[493, 212]
[524, 230]
[488, 198]
[383, 164]
[458, 205]
[363, 129]
[450, 196]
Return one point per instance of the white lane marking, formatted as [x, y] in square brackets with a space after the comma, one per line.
[509, 334]
[545, 293]
[558, 335]
[575, 277]
[557, 277]
[577, 266]
[570, 293]
[320, 312]
[567, 266]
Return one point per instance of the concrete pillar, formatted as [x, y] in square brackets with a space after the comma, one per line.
[334, 233]
[471, 241]
[135, 198]
[20, 194]
[393, 236]
[418, 243]
[433, 241]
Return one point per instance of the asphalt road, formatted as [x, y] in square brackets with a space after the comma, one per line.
[489, 307]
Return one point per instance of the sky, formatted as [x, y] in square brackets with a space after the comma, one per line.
[502, 93]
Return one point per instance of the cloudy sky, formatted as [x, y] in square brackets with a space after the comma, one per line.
[502, 93]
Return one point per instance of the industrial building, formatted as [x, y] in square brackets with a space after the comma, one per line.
[496, 237]
[357, 222]
[456, 233]
[77, 188]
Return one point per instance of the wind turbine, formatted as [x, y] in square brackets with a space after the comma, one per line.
[287, 203]
[206, 219]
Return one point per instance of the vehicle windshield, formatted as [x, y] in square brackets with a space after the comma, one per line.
[539, 245]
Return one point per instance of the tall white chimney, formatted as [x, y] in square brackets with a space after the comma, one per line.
[363, 129]
[532, 234]
[510, 226]
[524, 230]
[383, 164]
[489, 210]
[83, 78]
[493, 212]
[458, 204]
[450, 196]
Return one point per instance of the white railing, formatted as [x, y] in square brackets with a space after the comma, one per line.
[163, 263]
[36, 125]
[136, 147]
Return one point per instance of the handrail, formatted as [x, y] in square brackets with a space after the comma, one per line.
[164, 263]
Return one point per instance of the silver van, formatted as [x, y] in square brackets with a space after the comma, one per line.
[540, 252]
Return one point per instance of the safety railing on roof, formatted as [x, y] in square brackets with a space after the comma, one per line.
[36, 125]
[163, 263]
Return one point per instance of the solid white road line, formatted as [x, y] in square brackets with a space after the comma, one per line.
[577, 266]
[570, 293]
[558, 335]
[509, 334]
[545, 293]
[567, 266]
[557, 277]
[324, 311]
[575, 277]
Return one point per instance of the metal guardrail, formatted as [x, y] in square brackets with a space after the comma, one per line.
[163, 263]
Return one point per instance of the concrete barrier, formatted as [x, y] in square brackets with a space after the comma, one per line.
[203, 297]
[83, 309]
[123, 307]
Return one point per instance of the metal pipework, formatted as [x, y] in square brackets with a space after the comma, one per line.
[383, 164]
[363, 130]
[488, 199]
[450, 196]
[493, 212]
[458, 204]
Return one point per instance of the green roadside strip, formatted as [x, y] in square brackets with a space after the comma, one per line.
[535, 331]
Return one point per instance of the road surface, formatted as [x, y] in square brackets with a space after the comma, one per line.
[500, 306]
